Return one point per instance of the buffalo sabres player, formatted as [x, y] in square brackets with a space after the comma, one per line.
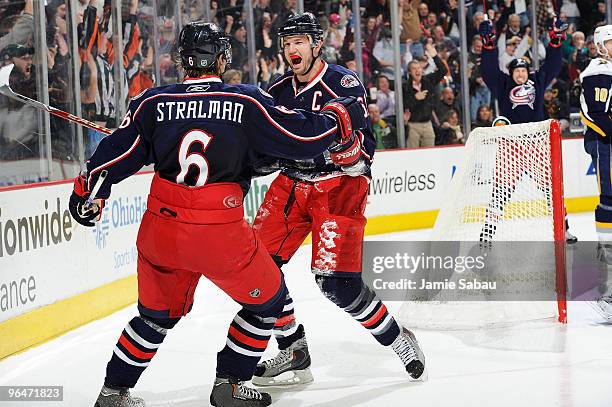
[521, 100]
[596, 110]
[328, 200]
[203, 138]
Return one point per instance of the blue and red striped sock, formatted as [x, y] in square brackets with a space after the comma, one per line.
[135, 348]
[247, 340]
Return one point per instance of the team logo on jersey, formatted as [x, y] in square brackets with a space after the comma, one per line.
[523, 95]
[198, 88]
[263, 92]
[255, 293]
[232, 202]
[349, 81]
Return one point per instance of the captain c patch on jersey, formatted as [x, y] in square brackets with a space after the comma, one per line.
[523, 95]
[349, 81]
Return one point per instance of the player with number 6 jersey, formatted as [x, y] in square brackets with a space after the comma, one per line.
[203, 137]
[325, 196]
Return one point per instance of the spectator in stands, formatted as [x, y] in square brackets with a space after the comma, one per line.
[232, 77]
[473, 27]
[484, 117]
[384, 133]
[574, 43]
[264, 39]
[334, 39]
[369, 28]
[479, 92]
[18, 123]
[240, 52]
[583, 59]
[419, 94]
[22, 32]
[423, 11]
[385, 99]
[384, 53]
[343, 9]
[445, 103]
[450, 130]
[410, 20]
[555, 109]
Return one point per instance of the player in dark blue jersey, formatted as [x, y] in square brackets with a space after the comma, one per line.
[203, 138]
[596, 111]
[319, 197]
[520, 94]
[521, 100]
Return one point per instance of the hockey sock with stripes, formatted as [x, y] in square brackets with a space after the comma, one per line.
[248, 337]
[136, 347]
[362, 304]
[247, 340]
[285, 328]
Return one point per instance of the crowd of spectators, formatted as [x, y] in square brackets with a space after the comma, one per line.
[430, 52]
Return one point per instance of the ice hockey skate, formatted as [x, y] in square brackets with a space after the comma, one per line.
[118, 398]
[230, 392]
[409, 351]
[290, 366]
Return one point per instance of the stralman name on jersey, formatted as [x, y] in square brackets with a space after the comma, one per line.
[200, 109]
[330, 82]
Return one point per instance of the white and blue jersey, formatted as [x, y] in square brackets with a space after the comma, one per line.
[596, 110]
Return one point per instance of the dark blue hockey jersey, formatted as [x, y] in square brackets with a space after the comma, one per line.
[331, 81]
[596, 100]
[203, 131]
[520, 103]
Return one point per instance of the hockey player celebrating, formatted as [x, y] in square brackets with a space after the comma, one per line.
[520, 94]
[521, 100]
[327, 199]
[202, 136]
[596, 111]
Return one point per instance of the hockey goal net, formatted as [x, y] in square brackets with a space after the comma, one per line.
[509, 188]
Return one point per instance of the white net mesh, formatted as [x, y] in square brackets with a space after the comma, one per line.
[502, 192]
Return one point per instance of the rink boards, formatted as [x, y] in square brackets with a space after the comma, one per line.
[56, 275]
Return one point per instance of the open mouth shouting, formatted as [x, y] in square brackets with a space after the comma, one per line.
[296, 60]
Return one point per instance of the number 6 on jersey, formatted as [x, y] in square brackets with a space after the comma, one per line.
[186, 160]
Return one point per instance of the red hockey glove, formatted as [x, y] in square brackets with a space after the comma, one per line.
[556, 32]
[83, 212]
[346, 154]
[348, 113]
[488, 34]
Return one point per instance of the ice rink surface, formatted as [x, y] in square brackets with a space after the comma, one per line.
[554, 365]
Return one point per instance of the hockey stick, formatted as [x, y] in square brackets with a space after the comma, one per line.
[5, 89]
[96, 188]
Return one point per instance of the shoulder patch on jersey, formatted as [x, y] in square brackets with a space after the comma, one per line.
[198, 88]
[263, 92]
[597, 66]
[349, 81]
